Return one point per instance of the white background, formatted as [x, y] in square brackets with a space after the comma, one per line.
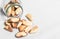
[46, 14]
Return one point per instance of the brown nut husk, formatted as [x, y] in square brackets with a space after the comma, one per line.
[29, 17]
[8, 28]
[22, 27]
[34, 29]
[14, 25]
[7, 24]
[20, 34]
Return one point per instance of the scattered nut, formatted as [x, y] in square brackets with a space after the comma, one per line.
[13, 19]
[20, 34]
[34, 29]
[27, 29]
[19, 24]
[9, 28]
[18, 10]
[14, 25]
[29, 17]
[22, 27]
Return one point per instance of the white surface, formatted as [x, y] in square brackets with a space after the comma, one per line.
[46, 14]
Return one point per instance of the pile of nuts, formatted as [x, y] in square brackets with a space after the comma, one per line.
[22, 25]
[13, 9]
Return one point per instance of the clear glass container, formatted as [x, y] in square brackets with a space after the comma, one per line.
[12, 8]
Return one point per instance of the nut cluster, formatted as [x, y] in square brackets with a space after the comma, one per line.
[14, 11]
[13, 8]
[24, 27]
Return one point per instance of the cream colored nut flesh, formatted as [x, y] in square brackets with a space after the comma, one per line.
[20, 34]
[27, 29]
[22, 27]
[13, 13]
[14, 25]
[13, 8]
[18, 10]
[34, 29]
[29, 17]
[13, 19]
[16, 6]
[19, 24]
[8, 28]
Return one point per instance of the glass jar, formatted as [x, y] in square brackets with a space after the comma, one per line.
[12, 8]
